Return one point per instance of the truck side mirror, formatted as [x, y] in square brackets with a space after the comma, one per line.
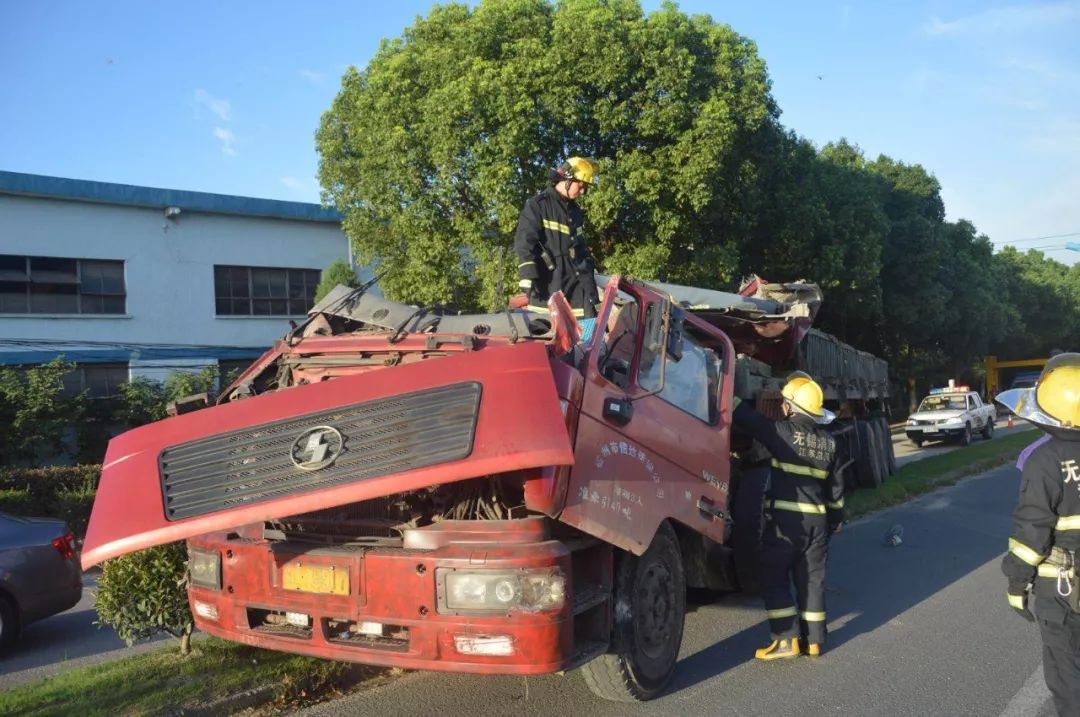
[675, 333]
[655, 325]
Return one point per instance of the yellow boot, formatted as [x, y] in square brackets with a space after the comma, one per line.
[813, 649]
[779, 649]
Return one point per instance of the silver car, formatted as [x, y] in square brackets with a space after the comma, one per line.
[39, 572]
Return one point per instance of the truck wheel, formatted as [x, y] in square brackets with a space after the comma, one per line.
[965, 437]
[988, 429]
[917, 442]
[890, 450]
[881, 437]
[866, 462]
[650, 607]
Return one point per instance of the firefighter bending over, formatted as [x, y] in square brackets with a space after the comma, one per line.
[550, 249]
[1045, 543]
[803, 507]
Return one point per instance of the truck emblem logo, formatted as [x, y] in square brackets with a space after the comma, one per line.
[316, 448]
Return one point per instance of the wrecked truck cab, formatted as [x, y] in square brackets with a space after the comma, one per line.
[498, 493]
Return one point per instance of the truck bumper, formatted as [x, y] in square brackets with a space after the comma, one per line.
[394, 612]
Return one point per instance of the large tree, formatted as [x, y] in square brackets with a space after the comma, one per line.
[431, 150]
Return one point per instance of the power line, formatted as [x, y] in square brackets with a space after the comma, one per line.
[1043, 238]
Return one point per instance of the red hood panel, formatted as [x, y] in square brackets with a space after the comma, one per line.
[520, 425]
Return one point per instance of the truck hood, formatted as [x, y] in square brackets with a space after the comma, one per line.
[936, 415]
[328, 444]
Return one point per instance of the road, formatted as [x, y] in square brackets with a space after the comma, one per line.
[64, 641]
[906, 451]
[918, 629]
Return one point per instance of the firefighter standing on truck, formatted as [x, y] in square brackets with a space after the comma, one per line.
[550, 250]
[803, 507]
[1045, 543]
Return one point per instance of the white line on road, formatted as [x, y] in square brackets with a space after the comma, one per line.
[1031, 699]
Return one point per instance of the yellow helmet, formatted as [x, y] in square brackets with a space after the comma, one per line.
[806, 395]
[1054, 402]
[1058, 390]
[579, 168]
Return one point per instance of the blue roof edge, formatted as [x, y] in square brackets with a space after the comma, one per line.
[84, 190]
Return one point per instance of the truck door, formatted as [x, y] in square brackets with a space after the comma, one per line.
[653, 436]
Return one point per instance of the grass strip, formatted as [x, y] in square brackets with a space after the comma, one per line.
[163, 681]
[927, 474]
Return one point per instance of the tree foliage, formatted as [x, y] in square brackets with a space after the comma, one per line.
[431, 149]
[339, 272]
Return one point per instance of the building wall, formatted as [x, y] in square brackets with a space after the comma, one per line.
[168, 264]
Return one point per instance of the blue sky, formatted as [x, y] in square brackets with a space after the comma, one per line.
[225, 97]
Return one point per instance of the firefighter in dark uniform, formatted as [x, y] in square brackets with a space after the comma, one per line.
[1041, 564]
[804, 506]
[550, 249]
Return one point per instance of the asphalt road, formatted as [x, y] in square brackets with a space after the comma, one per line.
[906, 451]
[918, 629]
[64, 641]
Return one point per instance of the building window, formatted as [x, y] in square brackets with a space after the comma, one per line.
[55, 285]
[99, 380]
[257, 291]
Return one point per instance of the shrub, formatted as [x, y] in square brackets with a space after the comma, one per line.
[36, 415]
[144, 593]
[57, 492]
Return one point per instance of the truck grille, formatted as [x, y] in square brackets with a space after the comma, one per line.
[299, 455]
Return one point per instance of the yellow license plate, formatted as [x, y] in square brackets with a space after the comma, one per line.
[327, 579]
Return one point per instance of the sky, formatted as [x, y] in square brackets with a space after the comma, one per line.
[226, 96]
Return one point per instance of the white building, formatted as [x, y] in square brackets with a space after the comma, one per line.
[127, 280]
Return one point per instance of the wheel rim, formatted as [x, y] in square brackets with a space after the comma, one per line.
[656, 605]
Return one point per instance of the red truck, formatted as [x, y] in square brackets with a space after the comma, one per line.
[493, 493]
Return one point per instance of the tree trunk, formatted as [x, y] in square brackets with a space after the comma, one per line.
[185, 642]
[913, 396]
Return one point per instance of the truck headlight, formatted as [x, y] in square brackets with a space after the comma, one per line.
[953, 421]
[911, 421]
[204, 566]
[500, 590]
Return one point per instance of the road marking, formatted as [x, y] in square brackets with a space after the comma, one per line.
[1031, 698]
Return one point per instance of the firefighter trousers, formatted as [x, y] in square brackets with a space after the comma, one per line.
[795, 548]
[1059, 627]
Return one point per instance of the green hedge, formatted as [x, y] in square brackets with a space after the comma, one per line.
[65, 492]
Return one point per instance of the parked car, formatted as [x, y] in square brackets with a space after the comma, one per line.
[955, 412]
[39, 572]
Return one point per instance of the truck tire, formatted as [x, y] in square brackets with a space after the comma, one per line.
[988, 429]
[866, 463]
[887, 444]
[650, 608]
[882, 440]
[965, 435]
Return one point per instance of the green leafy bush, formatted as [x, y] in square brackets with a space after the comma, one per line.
[144, 593]
[56, 492]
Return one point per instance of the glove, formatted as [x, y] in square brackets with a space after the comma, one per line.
[1018, 600]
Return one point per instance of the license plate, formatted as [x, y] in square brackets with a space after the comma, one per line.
[326, 579]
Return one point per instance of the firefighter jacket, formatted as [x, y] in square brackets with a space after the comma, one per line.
[804, 476]
[1046, 517]
[551, 252]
